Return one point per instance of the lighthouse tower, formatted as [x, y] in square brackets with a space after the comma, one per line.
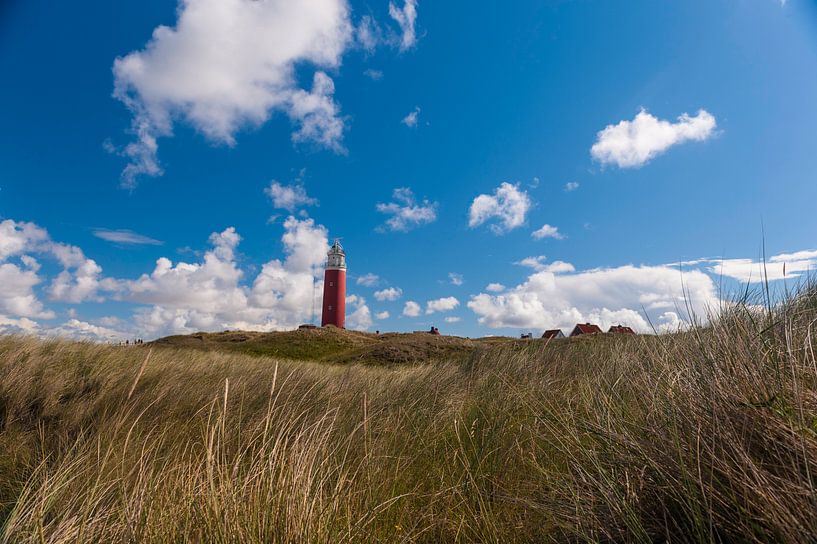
[334, 287]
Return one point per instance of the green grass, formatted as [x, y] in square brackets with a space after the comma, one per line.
[335, 346]
[704, 436]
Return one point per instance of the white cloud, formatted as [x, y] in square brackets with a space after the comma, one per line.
[230, 64]
[20, 237]
[81, 283]
[411, 119]
[571, 186]
[22, 325]
[547, 231]
[444, 304]
[777, 267]
[82, 330]
[631, 144]
[495, 287]
[368, 33]
[406, 18]
[125, 236]
[538, 263]
[508, 205]
[452, 319]
[360, 319]
[606, 296]
[411, 309]
[79, 279]
[803, 255]
[390, 293]
[374, 75]
[289, 197]
[17, 297]
[318, 114]
[382, 315]
[368, 280]
[455, 279]
[203, 291]
[209, 295]
[405, 212]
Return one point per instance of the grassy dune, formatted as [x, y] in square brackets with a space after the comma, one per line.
[339, 346]
[709, 435]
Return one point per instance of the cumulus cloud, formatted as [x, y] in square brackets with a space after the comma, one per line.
[607, 296]
[83, 330]
[360, 318]
[210, 295]
[17, 297]
[538, 263]
[508, 206]
[411, 309]
[547, 231]
[17, 238]
[495, 287]
[390, 293]
[406, 17]
[412, 118]
[777, 267]
[125, 236]
[444, 304]
[406, 213]
[571, 186]
[631, 144]
[368, 280]
[455, 279]
[80, 283]
[382, 315]
[452, 319]
[206, 287]
[230, 64]
[19, 271]
[289, 197]
[22, 325]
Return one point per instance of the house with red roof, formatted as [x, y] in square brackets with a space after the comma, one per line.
[585, 328]
[553, 333]
[620, 329]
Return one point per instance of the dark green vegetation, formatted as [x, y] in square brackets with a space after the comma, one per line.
[331, 345]
[709, 435]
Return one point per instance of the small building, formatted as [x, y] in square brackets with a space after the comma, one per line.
[585, 328]
[527, 336]
[620, 329]
[307, 326]
[552, 334]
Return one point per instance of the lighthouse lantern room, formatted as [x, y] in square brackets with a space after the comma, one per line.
[334, 287]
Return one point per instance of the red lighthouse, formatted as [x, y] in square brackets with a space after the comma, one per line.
[334, 287]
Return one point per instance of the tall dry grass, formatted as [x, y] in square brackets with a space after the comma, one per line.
[703, 436]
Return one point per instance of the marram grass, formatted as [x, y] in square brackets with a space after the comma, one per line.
[709, 435]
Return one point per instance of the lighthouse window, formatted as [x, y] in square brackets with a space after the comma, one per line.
[331, 284]
[330, 308]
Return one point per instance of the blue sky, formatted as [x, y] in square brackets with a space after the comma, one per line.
[170, 168]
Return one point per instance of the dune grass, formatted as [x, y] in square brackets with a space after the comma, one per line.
[709, 435]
